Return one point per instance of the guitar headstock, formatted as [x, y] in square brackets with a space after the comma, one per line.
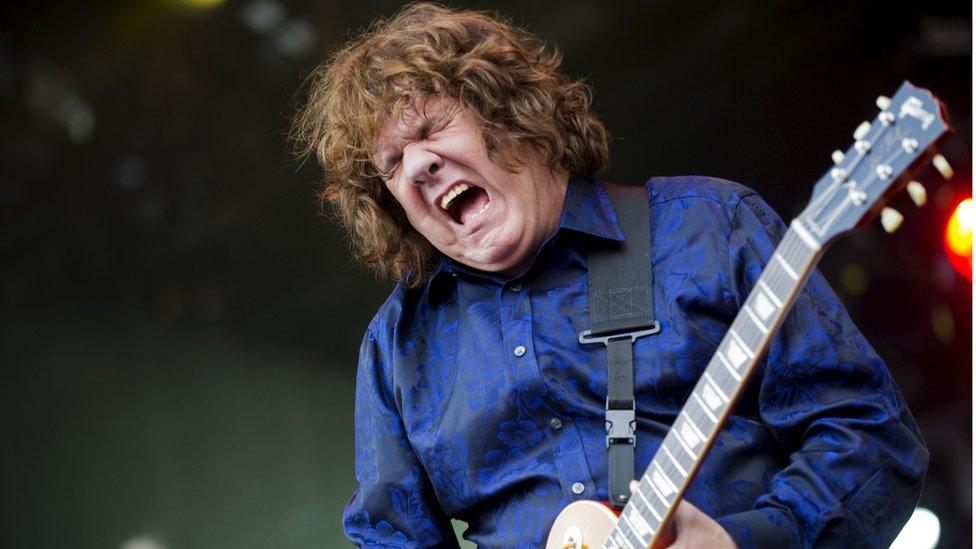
[904, 135]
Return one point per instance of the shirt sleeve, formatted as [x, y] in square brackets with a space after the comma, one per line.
[395, 504]
[856, 458]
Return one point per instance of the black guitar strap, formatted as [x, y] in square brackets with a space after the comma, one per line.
[621, 310]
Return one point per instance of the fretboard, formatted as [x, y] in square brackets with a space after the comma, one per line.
[725, 378]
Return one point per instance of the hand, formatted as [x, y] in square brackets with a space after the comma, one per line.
[693, 528]
[690, 528]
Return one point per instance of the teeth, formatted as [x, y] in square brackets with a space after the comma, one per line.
[446, 201]
[479, 212]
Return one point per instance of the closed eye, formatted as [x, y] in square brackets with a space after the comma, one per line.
[390, 165]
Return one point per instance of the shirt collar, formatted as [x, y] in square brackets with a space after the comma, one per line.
[586, 209]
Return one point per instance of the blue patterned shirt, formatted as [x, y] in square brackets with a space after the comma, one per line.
[476, 401]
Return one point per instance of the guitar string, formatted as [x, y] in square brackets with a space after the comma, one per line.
[790, 245]
[623, 528]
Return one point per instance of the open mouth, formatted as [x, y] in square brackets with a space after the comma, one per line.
[464, 202]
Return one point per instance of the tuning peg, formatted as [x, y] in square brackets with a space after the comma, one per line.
[837, 157]
[943, 166]
[862, 130]
[883, 102]
[891, 219]
[917, 192]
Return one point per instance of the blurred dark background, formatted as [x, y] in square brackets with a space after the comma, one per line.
[179, 325]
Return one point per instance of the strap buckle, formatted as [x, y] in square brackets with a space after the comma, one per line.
[620, 426]
[585, 337]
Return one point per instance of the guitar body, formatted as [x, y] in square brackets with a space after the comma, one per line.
[582, 524]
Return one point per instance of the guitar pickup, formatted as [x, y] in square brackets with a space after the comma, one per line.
[620, 426]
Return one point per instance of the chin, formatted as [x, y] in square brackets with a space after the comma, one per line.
[495, 252]
[505, 259]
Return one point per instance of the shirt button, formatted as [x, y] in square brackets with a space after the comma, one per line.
[519, 351]
[578, 488]
[516, 287]
[556, 423]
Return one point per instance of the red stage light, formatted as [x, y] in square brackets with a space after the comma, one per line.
[959, 237]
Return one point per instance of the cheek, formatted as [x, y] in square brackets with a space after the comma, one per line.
[414, 204]
[408, 196]
[419, 214]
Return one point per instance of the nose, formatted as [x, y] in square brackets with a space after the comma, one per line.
[420, 164]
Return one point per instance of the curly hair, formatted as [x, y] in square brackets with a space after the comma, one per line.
[505, 76]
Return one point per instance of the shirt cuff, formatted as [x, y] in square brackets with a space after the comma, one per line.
[761, 528]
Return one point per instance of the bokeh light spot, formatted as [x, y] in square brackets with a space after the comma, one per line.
[854, 279]
[202, 4]
[959, 237]
[921, 532]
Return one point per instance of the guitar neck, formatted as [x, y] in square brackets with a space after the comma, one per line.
[886, 152]
[723, 382]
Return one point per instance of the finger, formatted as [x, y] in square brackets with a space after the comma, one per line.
[685, 513]
[683, 519]
[667, 538]
[633, 486]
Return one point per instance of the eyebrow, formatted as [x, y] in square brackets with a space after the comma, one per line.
[421, 126]
[394, 146]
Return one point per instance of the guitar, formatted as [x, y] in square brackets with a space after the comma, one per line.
[901, 139]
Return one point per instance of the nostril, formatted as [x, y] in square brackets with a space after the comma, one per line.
[433, 168]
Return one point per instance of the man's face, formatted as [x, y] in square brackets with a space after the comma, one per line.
[470, 208]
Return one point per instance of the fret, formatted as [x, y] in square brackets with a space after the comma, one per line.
[711, 396]
[769, 293]
[642, 527]
[738, 339]
[664, 476]
[618, 537]
[693, 425]
[751, 336]
[701, 404]
[715, 386]
[629, 536]
[795, 251]
[690, 434]
[684, 444]
[729, 367]
[733, 352]
[673, 460]
[786, 266]
[804, 235]
[635, 540]
[637, 511]
[659, 495]
[780, 282]
[640, 492]
[623, 525]
[755, 319]
[632, 533]
[760, 304]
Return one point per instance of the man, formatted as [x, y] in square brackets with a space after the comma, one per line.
[461, 163]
